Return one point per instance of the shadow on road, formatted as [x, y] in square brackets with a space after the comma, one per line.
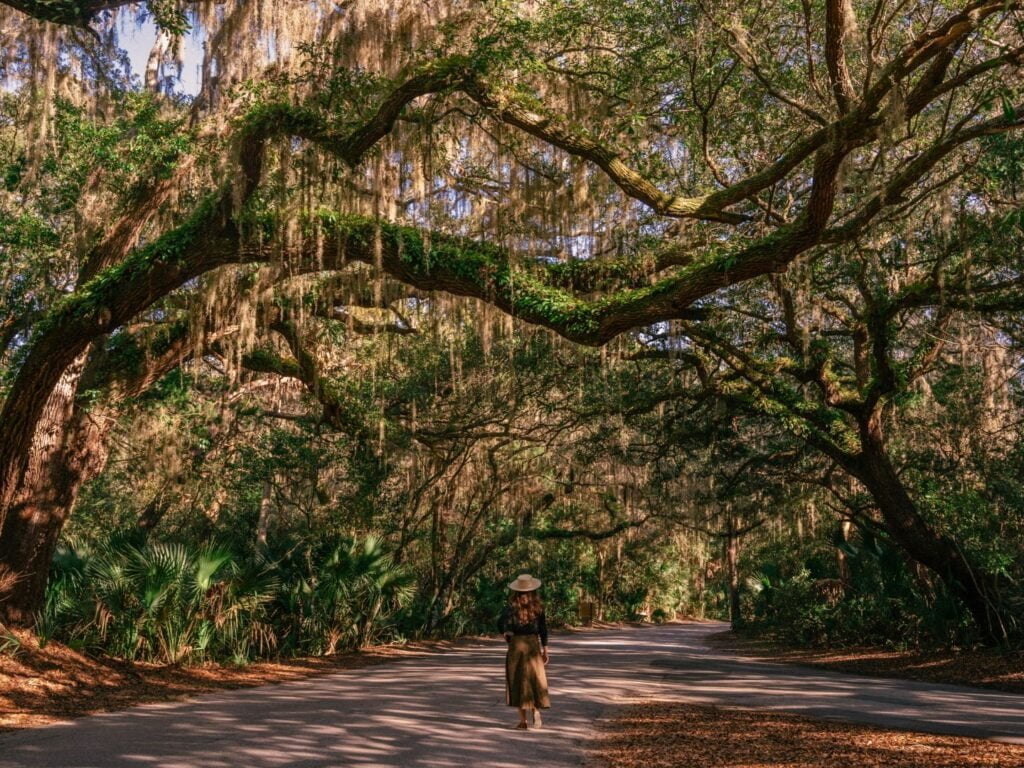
[448, 709]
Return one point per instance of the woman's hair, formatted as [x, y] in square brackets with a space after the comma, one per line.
[526, 606]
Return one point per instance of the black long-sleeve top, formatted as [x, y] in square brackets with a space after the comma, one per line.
[508, 623]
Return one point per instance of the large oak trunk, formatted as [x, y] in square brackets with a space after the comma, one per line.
[69, 448]
[977, 589]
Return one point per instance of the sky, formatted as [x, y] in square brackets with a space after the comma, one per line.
[137, 40]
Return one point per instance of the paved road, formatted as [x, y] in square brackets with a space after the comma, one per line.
[448, 709]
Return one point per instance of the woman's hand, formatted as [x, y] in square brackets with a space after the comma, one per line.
[544, 655]
[508, 637]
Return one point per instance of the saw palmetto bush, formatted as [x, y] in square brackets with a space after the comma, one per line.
[338, 594]
[159, 601]
[173, 602]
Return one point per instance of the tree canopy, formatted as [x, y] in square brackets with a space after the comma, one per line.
[489, 282]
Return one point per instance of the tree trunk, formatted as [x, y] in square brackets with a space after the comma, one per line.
[68, 450]
[977, 589]
[155, 61]
[440, 608]
[842, 564]
[151, 516]
[266, 507]
[731, 546]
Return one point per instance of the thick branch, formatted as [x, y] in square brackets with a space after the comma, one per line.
[75, 13]
[915, 169]
[838, 18]
[551, 130]
[208, 239]
[584, 533]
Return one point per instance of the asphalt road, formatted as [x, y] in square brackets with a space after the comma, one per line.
[447, 709]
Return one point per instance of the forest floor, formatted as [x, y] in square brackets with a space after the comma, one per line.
[982, 668]
[662, 734]
[44, 685]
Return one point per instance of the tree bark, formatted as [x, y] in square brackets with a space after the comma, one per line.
[266, 508]
[731, 545]
[842, 564]
[977, 589]
[69, 449]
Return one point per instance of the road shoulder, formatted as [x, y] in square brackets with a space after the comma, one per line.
[992, 669]
[660, 734]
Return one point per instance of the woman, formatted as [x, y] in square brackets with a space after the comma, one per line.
[526, 632]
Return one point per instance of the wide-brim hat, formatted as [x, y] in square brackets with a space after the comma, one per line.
[524, 583]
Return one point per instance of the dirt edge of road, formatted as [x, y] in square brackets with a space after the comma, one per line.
[982, 668]
[655, 734]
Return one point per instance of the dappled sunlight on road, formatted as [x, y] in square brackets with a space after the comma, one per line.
[725, 679]
[448, 709]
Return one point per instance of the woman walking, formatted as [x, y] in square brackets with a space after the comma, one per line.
[526, 632]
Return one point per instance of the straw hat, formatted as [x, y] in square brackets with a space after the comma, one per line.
[525, 583]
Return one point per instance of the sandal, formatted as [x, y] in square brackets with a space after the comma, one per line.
[521, 726]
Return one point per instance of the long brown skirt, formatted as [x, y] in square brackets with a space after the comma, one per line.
[526, 682]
